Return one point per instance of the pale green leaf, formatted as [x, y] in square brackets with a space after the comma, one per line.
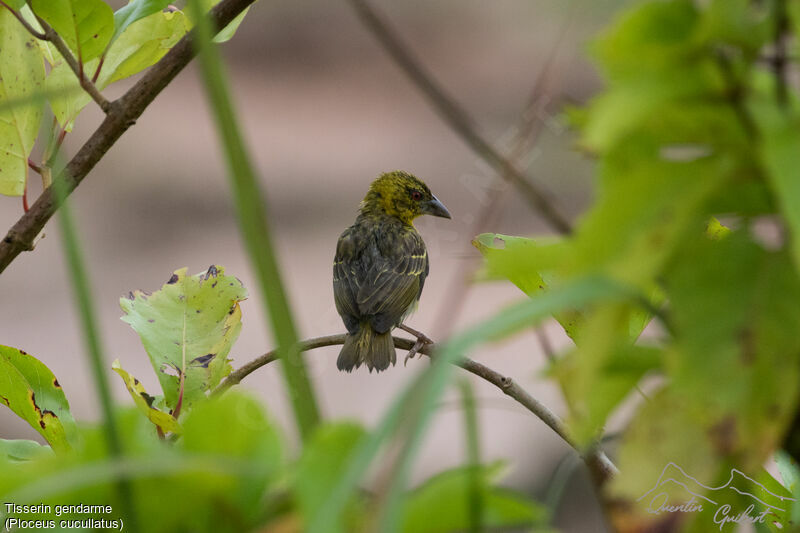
[30, 389]
[716, 230]
[19, 125]
[144, 402]
[85, 25]
[133, 11]
[528, 264]
[141, 45]
[23, 450]
[48, 50]
[228, 31]
[188, 328]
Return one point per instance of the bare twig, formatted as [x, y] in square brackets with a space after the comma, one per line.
[121, 116]
[455, 116]
[33, 31]
[544, 343]
[600, 465]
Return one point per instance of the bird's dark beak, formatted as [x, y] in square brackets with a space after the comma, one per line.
[435, 207]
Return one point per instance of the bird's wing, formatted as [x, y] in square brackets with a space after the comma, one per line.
[394, 282]
[345, 280]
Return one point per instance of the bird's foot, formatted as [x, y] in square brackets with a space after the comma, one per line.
[422, 340]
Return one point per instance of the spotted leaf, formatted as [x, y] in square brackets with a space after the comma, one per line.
[187, 328]
[30, 389]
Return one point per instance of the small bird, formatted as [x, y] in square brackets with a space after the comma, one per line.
[380, 268]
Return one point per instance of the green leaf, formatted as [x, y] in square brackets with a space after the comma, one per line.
[661, 31]
[187, 328]
[144, 402]
[324, 459]
[228, 31]
[85, 25]
[738, 23]
[23, 450]
[441, 505]
[141, 45]
[235, 426]
[21, 74]
[28, 388]
[133, 11]
[528, 264]
[716, 230]
[597, 392]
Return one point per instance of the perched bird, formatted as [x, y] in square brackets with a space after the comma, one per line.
[380, 267]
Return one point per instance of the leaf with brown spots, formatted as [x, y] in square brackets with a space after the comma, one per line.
[30, 389]
[21, 74]
[144, 402]
[182, 343]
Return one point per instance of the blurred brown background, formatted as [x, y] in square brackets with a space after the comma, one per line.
[324, 112]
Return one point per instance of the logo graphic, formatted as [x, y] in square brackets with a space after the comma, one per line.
[740, 500]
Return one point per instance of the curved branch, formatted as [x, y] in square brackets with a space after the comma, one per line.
[122, 114]
[456, 117]
[599, 464]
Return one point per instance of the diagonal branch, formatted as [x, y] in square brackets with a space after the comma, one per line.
[122, 114]
[599, 464]
[456, 117]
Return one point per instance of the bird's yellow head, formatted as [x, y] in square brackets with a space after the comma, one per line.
[399, 194]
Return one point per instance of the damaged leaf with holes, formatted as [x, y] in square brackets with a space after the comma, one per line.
[165, 422]
[187, 328]
[30, 389]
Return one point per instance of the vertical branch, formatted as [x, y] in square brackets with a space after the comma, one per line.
[255, 229]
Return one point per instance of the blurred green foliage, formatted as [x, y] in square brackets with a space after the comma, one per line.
[668, 285]
[694, 127]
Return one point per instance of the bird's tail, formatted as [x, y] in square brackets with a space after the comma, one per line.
[376, 350]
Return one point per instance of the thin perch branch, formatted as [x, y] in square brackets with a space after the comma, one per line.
[121, 116]
[456, 117]
[599, 464]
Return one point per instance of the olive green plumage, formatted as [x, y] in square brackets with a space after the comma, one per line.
[380, 268]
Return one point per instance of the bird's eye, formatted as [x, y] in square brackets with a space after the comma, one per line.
[416, 196]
